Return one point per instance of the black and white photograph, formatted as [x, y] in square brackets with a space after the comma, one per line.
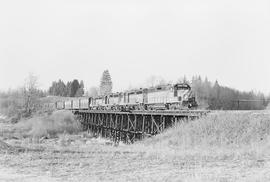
[134, 91]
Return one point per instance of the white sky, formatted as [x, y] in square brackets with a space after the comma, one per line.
[226, 40]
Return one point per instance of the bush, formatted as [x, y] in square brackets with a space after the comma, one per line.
[49, 126]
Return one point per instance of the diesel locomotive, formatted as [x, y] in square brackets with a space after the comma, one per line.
[166, 97]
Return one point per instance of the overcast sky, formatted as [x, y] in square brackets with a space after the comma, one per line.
[226, 40]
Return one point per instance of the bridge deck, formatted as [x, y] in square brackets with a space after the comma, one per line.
[169, 113]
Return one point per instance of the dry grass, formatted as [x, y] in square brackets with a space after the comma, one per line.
[223, 130]
[49, 126]
[194, 151]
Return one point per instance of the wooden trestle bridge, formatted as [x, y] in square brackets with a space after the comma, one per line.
[131, 126]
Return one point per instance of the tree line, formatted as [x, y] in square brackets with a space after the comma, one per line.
[69, 89]
[208, 94]
[214, 96]
[76, 89]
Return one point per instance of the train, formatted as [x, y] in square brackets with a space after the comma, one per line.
[165, 97]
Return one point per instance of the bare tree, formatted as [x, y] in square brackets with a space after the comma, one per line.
[154, 81]
[183, 80]
[30, 94]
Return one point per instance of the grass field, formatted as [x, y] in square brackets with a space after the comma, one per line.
[224, 146]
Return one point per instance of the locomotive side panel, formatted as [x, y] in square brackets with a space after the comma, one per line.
[163, 96]
[121, 100]
[99, 101]
[135, 98]
[114, 100]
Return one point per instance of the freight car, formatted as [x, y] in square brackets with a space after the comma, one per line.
[166, 97]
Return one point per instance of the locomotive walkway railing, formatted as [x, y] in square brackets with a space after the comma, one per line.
[131, 126]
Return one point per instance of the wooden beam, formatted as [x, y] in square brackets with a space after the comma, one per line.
[143, 122]
[152, 125]
[154, 122]
[131, 124]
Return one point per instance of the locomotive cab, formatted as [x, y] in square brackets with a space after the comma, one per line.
[185, 95]
[181, 90]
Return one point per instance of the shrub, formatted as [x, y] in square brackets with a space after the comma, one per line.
[56, 123]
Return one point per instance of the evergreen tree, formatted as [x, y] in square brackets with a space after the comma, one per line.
[58, 88]
[61, 88]
[216, 96]
[52, 88]
[74, 87]
[80, 90]
[82, 87]
[105, 83]
[68, 89]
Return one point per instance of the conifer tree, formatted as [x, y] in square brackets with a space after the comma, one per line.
[105, 83]
[80, 91]
[74, 87]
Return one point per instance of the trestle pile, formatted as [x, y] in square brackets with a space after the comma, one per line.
[131, 126]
